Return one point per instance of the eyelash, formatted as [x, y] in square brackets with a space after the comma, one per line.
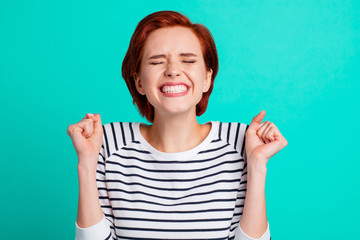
[156, 63]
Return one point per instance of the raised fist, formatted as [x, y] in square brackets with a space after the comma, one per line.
[87, 136]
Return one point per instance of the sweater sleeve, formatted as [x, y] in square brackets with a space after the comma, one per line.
[101, 230]
[240, 235]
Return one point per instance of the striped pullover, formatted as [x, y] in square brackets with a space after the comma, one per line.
[148, 194]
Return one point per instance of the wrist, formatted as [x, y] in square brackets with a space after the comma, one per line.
[86, 169]
[87, 163]
[256, 178]
[256, 166]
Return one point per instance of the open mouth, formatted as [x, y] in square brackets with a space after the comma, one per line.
[174, 89]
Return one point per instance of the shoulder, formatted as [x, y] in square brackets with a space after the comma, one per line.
[117, 135]
[233, 133]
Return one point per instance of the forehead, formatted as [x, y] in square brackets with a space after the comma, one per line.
[172, 40]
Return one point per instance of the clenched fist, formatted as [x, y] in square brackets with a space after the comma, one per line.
[86, 137]
[263, 140]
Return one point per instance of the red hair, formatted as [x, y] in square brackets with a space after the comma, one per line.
[132, 59]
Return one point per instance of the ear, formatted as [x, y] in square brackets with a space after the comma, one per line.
[207, 80]
[138, 84]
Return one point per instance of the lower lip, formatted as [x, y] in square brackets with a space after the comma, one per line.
[180, 94]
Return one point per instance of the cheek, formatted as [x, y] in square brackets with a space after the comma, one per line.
[148, 78]
[199, 77]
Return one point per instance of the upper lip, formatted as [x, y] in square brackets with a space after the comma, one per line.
[173, 84]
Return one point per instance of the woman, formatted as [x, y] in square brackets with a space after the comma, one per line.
[176, 178]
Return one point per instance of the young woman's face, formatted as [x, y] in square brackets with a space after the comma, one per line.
[173, 74]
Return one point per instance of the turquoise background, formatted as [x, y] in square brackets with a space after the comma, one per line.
[298, 60]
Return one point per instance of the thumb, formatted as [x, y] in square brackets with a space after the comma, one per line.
[254, 125]
[97, 136]
[98, 128]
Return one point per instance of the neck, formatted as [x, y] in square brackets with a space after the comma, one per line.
[175, 133]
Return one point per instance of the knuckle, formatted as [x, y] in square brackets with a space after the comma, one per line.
[97, 116]
[68, 129]
[88, 120]
[71, 129]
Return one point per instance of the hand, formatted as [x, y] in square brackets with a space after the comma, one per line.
[263, 140]
[87, 136]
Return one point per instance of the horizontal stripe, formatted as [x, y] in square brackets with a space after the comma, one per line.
[173, 189]
[169, 198]
[147, 238]
[136, 150]
[214, 149]
[170, 211]
[197, 196]
[172, 170]
[169, 180]
[173, 220]
[175, 161]
[160, 204]
[171, 230]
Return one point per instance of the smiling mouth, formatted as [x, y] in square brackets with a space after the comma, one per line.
[174, 89]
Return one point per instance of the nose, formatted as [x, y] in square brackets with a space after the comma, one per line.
[172, 70]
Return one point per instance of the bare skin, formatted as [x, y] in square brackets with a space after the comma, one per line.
[161, 135]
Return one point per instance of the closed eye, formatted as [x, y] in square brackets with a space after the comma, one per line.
[156, 63]
[191, 61]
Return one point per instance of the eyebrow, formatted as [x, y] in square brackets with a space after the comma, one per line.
[181, 54]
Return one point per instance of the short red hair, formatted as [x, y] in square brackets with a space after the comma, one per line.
[132, 60]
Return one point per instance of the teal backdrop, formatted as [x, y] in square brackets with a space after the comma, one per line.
[298, 60]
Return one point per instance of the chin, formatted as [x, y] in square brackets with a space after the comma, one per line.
[178, 110]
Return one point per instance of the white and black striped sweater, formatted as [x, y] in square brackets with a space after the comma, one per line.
[148, 194]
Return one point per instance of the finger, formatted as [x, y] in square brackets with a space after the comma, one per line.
[266, 130]
[271, 134]
[75, 131]
[89, 115]
[88, 127]
[97, 124]
[262, 128]
[278, 137]
[78, 128]
[256, 121]
[267, 139]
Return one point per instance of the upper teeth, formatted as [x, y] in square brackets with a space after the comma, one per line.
[174, 89]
